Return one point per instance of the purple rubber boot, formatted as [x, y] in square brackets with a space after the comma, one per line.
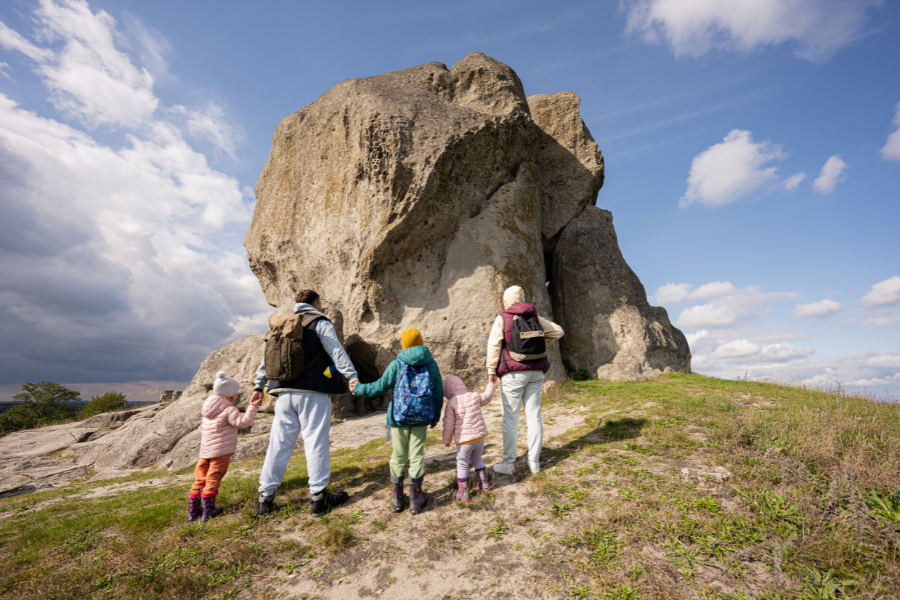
[195, 509]
[210, 510]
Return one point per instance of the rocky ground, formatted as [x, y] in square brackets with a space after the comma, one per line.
[683, 487]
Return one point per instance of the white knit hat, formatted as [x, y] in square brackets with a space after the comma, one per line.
[225, 385]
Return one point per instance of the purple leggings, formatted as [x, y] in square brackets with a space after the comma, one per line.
[466, 453]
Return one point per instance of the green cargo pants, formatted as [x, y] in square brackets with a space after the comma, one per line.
[408, 443]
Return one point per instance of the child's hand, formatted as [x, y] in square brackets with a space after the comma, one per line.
[256, 401]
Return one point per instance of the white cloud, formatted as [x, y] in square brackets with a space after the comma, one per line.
[671, 294]
[885, 361]
[891, 149]
[884, 293]
[714, 289]
[793, 182]
[129, 257]
[830, 175]
[888, 318]
[743, 351]
[819, 309]
[730, 170]
[727, 304]
[209, 125]
[91, 78]
[878, 370]
[693, 27]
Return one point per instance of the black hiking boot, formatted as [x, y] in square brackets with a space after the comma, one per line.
[417, 498]
[323, 502]
[265, 506]
[398, 500]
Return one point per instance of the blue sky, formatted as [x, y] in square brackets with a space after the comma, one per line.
[752, 167]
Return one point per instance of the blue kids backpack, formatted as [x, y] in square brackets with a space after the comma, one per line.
[413, 396]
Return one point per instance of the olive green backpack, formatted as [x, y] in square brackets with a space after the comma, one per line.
[285, 357]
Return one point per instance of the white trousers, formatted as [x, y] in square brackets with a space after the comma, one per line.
[309, 414]
[518, 388]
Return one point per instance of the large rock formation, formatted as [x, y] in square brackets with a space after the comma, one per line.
[611, 329]
[415, 198]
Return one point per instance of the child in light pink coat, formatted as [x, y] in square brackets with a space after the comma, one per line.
[464, 423]
[218, 441]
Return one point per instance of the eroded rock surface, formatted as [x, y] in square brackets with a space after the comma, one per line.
[569, 160]
[611, 329]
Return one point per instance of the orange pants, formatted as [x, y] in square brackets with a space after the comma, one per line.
[209, 473]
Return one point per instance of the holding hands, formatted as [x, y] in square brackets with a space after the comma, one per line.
[353, 386]
[257, 399]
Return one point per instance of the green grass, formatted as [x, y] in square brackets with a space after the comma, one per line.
[812, 498]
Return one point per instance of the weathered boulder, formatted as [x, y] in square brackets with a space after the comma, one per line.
[371, 192]
[611, 329]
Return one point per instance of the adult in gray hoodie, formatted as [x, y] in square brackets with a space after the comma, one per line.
[303, 408]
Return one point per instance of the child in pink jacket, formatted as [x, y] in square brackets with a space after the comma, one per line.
[464, 423]
[218, 441]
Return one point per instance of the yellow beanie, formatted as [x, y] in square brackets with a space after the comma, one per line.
[411, 337]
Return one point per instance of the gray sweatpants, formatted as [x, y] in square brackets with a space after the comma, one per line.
[466, 453]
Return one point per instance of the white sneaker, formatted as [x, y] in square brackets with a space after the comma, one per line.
[505, 468]
[534, 465]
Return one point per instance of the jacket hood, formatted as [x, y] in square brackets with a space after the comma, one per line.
[454, 386]
[513, 295]
[520, 309]
[302, 307]
[415, 356]
[213, 406]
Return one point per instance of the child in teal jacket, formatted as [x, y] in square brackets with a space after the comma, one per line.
[408, 439]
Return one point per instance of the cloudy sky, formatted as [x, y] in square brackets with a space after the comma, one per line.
[752, 153]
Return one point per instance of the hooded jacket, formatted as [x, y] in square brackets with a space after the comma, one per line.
[219, 428]
[463, 420]
[511, 297]
[416, 357]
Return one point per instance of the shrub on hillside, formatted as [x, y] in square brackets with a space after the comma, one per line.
[42, 403]
[108, 402]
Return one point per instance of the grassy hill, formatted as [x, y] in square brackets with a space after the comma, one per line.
[682, 487]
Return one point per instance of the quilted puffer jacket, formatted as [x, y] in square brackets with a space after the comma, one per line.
[463, 421]
[219, 429]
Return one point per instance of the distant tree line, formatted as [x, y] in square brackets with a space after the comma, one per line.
[46, 402]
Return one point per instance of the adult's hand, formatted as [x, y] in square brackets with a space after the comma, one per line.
[257, 399]
[494, 379]
[353, 387]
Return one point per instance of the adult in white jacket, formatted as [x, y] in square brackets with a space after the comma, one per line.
[520, 381]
